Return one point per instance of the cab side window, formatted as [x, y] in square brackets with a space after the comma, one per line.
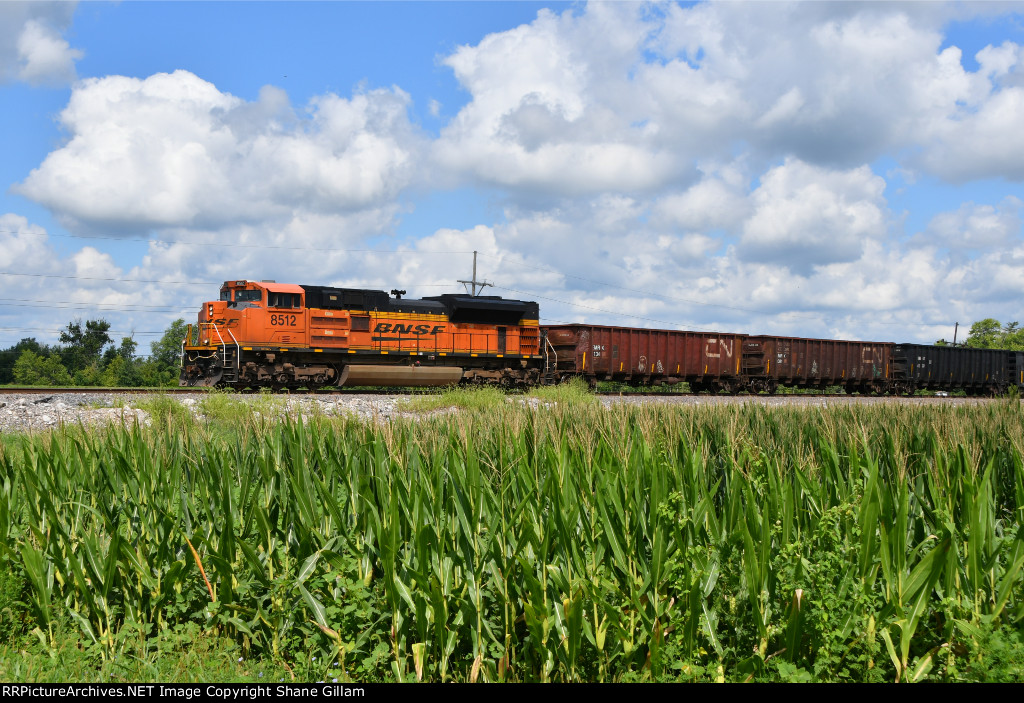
[284, 300]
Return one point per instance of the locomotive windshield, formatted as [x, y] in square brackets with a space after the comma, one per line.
[248, 296]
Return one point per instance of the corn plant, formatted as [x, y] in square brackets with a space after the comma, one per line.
[565, 543]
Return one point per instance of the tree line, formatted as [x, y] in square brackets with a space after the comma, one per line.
[992, 334]
[86, 355]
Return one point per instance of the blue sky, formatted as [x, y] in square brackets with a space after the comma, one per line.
[840, 170]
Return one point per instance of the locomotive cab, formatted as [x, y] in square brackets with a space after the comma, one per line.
[253, 312]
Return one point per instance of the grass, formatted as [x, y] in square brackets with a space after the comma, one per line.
[462, 398]
[164, 411]
[185, 655]
[564, 543]
[573, 392]
[227, 407]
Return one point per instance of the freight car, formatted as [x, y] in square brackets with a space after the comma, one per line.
[267, 334]
[717, 362]
[975, 371]
[708, 361]
[859, 367]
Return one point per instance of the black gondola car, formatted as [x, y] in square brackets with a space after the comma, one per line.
[976, 371]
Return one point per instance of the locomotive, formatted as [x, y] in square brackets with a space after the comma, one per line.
[267, 334]
[262, 334]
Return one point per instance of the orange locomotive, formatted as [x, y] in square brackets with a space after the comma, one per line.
[267, 334]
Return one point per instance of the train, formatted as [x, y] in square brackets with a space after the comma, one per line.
[264, 334]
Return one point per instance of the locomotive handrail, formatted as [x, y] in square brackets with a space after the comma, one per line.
[186, 338]
[547, 357]
[223, 344]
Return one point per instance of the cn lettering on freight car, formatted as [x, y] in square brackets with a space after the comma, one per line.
[716, 346]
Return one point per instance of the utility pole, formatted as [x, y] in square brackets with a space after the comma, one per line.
[474, 282]
[955, 330]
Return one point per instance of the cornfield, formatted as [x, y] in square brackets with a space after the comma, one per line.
[569, 543]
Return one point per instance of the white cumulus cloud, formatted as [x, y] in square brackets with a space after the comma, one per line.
[32, 48]
[807, 216]
[172, 150]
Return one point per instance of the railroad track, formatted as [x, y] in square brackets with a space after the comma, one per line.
[91, 390]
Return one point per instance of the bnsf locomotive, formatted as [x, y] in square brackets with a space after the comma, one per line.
[265, 334]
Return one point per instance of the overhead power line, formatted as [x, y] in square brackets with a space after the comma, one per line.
[235, 245]
[67, 305]
[690, 301]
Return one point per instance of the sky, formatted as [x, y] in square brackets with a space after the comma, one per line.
[838, 170]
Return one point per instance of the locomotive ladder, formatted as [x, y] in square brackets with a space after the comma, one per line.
[229, 357]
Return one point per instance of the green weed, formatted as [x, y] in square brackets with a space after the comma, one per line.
[464, 398]
[165, 412]
[573, 392]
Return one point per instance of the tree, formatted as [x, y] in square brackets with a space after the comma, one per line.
[9, 356]
[1014, 338]
[152, 374]
[120, 373]
[83, 347]
[985, 334]
[31, 369]
[990, 334]
[167, 350]
[126, 351]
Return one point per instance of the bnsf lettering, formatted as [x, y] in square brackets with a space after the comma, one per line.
[396, 328]
[225, 322]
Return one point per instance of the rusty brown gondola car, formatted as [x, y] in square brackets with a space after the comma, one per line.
[859, 367]
[706, 360]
